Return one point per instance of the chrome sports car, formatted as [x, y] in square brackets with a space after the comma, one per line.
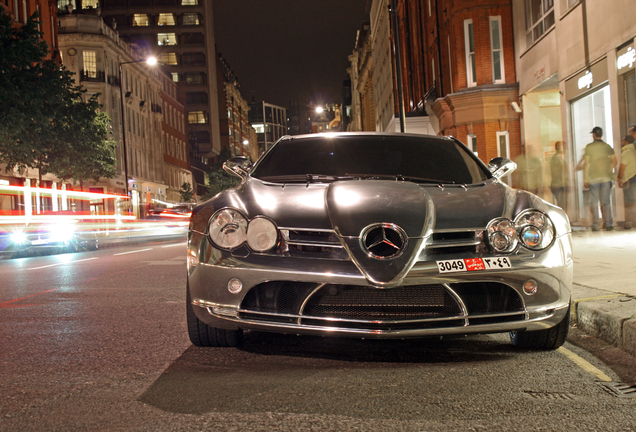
[375, 235]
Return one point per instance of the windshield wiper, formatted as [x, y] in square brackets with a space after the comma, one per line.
[398, 177]
[300, 178]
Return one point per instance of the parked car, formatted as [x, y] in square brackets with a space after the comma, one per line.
[377, 235]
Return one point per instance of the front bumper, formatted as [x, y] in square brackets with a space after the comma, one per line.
[210, 270]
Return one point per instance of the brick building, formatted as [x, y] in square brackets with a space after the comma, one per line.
[21, 10]
[458, 66]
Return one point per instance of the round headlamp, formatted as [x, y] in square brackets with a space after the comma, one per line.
[502, 235]
[228, 228]
[262, 234]
[535, 228]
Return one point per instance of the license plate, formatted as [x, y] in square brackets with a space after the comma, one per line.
[473, 264]
[39, 242]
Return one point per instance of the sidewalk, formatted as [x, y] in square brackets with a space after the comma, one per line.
[604, 287]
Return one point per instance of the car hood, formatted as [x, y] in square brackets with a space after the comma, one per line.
[349, 207]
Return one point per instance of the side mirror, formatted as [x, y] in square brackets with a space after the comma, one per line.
[239, 166]
[501, 166]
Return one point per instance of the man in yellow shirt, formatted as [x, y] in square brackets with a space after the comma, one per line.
[626, 179]
[598, 174]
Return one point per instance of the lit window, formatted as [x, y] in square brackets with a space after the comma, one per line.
[197, 117]
[140, 20]
[539, 19]
[90, 64]
[166, 39]
[471, 70]
[496, 50]
[166, 19]
[168, 59]
[189, 2]
[175, 76]
[190, 19]
[89, 4]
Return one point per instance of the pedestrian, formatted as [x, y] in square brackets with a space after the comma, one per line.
[529, 173]
[598, 174]
[632, 131]
[626, 179]
[560, 176]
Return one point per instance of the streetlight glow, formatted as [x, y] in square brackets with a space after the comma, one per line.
[151, 61]
[319, 110]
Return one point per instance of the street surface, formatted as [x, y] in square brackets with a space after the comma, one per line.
[98, 341]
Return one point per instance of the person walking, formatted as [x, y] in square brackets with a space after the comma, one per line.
[626, 179]
[559, 172]
[598, 174]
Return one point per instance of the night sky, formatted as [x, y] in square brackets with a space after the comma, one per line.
[282, 50]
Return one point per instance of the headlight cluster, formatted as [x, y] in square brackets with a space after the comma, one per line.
[532, 228]
[229, 229]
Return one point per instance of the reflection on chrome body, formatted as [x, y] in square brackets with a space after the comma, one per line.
[357, 255]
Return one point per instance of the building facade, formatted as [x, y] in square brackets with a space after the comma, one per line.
[576, 63]
[234, 120]
[363, 117]
[270, 123]
[95, 53]
[180, 33]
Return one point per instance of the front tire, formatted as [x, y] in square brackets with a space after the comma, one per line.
[204, 335]
[548, 339]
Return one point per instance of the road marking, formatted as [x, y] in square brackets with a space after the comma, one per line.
[179, 244]
[8, 302]
[125, 253]
[62, 263]
[584, 364]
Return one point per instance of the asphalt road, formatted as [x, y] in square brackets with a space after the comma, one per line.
[97, 341]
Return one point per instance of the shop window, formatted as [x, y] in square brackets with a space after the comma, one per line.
[166, 19]
[496, 50]
[168, 59]
[197, 117]
[191, 19]
[539, 19]
[140, 20]
[469, 37]
[164, 39]
[90, 64]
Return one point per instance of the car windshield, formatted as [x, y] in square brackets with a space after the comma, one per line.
[330, 158]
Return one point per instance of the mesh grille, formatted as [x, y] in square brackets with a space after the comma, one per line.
[277, 297]
[353, 302]
[488, 297]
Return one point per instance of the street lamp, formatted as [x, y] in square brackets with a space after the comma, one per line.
[150, 61]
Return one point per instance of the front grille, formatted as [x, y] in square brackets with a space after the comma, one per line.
[363, 307]
[453, 242]
[354, 302]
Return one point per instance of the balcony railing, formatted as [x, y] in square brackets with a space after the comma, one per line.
[94, 76]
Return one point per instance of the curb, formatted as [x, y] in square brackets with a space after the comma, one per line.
[611, 318]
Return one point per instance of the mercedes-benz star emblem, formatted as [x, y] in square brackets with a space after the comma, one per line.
[384, 240]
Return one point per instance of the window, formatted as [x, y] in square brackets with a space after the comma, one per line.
[89, 4]
[503, 144]
[196, 98]
[496, 50]
[471, 70]
[194, 78]
[24, 11]
[140, 20]
[193, 58]
[166, 19]
[472, 142]
[168, 59]
[539, 19]
[192, 38]
[195, 117]
[190, 19]
[90, 64]
[166, 39]
[175, 76]
[189, 2]
[16, 15]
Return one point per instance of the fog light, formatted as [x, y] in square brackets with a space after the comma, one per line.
[530, 287]
[234, 286]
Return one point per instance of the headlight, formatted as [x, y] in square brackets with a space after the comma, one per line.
[62, 232]
[532, 228]
[18, 237]
[502, 235]
[535, 228]
[262, 234]
[228, 228]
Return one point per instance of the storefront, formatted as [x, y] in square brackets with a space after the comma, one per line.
[626, 70]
